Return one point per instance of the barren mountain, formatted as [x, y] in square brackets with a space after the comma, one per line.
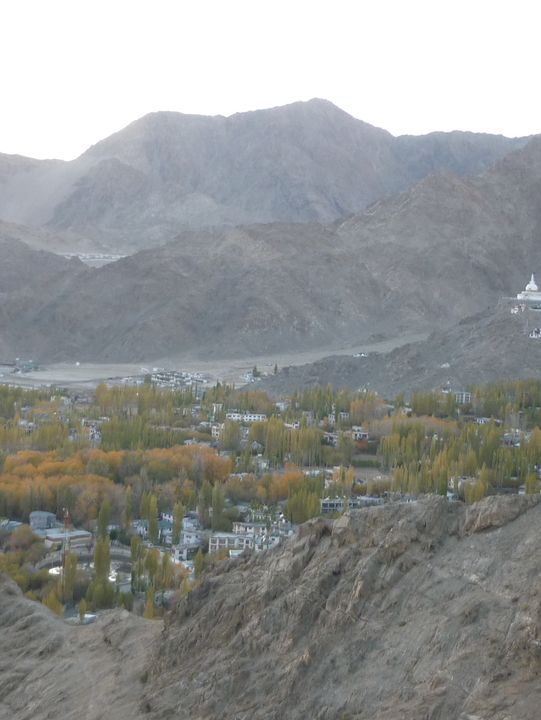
[206, 294]
[419, 261]
[167, 172]
[421, 610]
[492, 345]
[451, 246]
[39, 238]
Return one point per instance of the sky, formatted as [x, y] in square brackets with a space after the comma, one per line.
[74, 71]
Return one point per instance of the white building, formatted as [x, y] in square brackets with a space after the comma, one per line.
[247, 417]
[357, 433]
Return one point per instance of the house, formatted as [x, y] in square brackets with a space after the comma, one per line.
[247, 417]
[462, 397]
[340, 504]
[246, 528]
[357, 433]
[9, 525]
[42, 520]
[229, 541]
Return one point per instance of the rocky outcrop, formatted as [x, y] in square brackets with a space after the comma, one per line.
[51, 669]
[424, 610]
[416, 610]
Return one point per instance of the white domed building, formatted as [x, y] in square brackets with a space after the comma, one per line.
[531, 295]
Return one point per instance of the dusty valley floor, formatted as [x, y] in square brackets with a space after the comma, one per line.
[88, 375]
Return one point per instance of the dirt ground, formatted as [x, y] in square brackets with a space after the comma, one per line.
[88, 375]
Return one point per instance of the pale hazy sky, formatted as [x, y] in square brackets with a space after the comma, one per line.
[74, 71]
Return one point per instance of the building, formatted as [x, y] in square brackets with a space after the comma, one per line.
[229, 541]
[74, 537]
[462, 397]
[357, 433]
[247, 417]
[340, 504]
[42, 520]
[249, 528]
[531, 295]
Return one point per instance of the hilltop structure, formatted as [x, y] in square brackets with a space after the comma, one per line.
[531, 295]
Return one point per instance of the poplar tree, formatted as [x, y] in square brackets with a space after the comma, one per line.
[70, 573]
[104, 518]
[153, 528]
[178, 516]
[102, 559]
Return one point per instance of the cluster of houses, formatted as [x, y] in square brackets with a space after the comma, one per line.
[341, 504]
[250, 535]
[45, 525]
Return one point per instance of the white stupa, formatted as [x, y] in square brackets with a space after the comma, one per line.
[531, 294]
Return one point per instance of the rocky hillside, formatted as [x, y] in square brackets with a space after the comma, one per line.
[425, 610]
[422, 610]
[416, 262]
[168, 172]
[49, 668]
[489, 346]
[209, 294]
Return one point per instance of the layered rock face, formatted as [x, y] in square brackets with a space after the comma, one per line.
[414, 610]
[424, 610]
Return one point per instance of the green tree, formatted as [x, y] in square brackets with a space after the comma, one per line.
[198, 563]
[102, 559]
[178, 518]
[230, 436]
[127, 513]
[149, 604]
[205, 503]
[104, 518]
[70, 574]
[345, 448]
[166, 572]
[152, 564]
[532, 484]
[144, 506]
[52, 602]
[153, 528]
[217, 519]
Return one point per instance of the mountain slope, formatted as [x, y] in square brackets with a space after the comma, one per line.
[167, 172]
[410, 610]
[206, 294]
[490, 346]
[426, 610]
[50, 668]
[451, 246]
[416, 262]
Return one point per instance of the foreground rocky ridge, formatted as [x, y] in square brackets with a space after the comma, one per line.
[425, 610]
[49, 668]
[419, 610]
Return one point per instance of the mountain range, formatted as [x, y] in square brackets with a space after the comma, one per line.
[168, 172]
[375, 261]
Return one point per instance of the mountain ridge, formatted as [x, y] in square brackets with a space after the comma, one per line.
[167, 172]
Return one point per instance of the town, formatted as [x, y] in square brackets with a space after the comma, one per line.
[132, 491]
